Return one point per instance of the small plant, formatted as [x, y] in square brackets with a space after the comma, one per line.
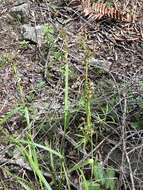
[49, 35]
[17, 110]
[101, 179]
[51, 43]
[6, 59]
[52, 50]
[66, 77]
[24, 44]
[87, 93]
[19, 82]
[29, 151]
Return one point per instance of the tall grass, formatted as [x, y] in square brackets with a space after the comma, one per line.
[66, 88]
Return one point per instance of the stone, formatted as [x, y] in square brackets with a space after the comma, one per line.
[102, 64]
[33, 34]
[20, 2]
[21, 11]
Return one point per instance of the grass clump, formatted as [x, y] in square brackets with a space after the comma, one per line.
[6, 59]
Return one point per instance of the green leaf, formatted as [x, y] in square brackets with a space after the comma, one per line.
[90, 185]
[110, 180]
[26, 187]
[99, 172]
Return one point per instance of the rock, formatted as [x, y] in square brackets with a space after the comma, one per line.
[105, 65]
[21, 11]
[20, 2]
[33, 34]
